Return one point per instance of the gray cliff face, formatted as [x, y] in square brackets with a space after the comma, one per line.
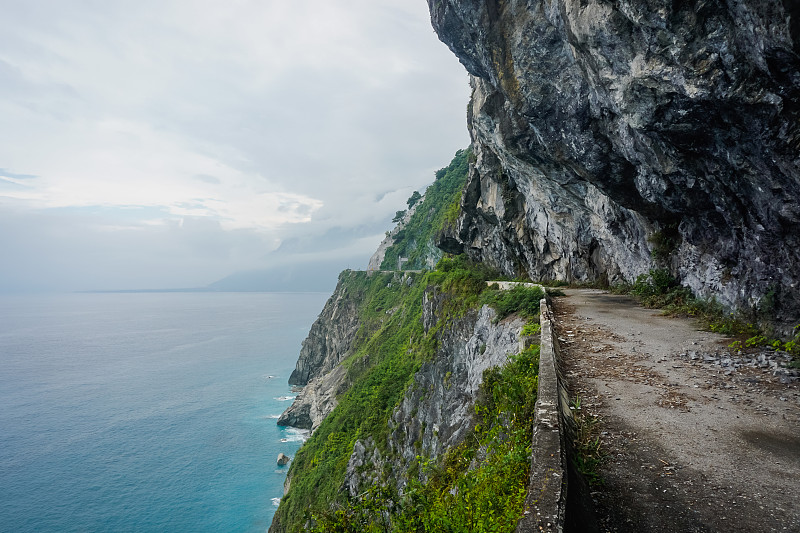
[317, 399]
[376, 260]
[437, 411]
[330, 339]
[612, 137]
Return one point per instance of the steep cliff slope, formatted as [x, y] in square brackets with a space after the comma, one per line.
[414, 238]
[405, 395]
[361, 304]
[371, 379]
[436, 413]
[331, 337]
[614, 136]
[346, 319]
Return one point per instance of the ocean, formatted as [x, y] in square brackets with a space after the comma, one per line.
[146, 411]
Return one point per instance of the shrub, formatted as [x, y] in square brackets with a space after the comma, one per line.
[520, 299]
[415, 197]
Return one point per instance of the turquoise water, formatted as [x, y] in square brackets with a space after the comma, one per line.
[146, 412]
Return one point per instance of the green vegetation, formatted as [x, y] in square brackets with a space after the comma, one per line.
[658, 289]
[589, 454]
[791, 346]
[664, 242]
[478, 486]
[519, 299]
[531, 328]
[391, 346]
[415, 197]
[464, 280]
[440, 207]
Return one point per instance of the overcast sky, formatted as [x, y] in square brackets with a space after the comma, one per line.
[169, 143]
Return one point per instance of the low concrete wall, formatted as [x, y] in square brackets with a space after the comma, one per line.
[507, 285]
[545, 505]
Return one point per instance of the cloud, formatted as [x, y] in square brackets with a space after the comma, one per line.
[11, 176]
[278, 119]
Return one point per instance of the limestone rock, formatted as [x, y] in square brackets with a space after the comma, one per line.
[283, 459]
[615, 137]
[315, 401]
[331, 336]
[377, 258]
[436, 412]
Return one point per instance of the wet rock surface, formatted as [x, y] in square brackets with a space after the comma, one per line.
[614, 136]
[697, 439]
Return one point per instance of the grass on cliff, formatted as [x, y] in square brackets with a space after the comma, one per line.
[440, 207]
[519, 299]
[480, 486]
[387, 356]
[390, 346]
[477, 487]
[658, 289]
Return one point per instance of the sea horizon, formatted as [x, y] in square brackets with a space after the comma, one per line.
[147, 411]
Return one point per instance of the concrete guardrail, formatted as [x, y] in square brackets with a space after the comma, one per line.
[545, 504]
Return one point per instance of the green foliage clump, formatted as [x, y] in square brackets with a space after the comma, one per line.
[459, 276]
[793, 345]
[664, 242]
[415, 197]
[439, 207]
[658, 288]
[519, 299]
[532, 327]
[478, 486]
[453, 210]
[790, 346]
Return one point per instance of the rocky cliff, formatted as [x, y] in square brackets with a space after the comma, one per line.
[411, 245]
[376, 260]
[316, 400]
[338, 331]
[331, 337]
[436, 412]
[405, 391]
[611, 137]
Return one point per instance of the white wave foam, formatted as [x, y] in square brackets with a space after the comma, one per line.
[276, 501]
[285, 398]
[296, 435]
